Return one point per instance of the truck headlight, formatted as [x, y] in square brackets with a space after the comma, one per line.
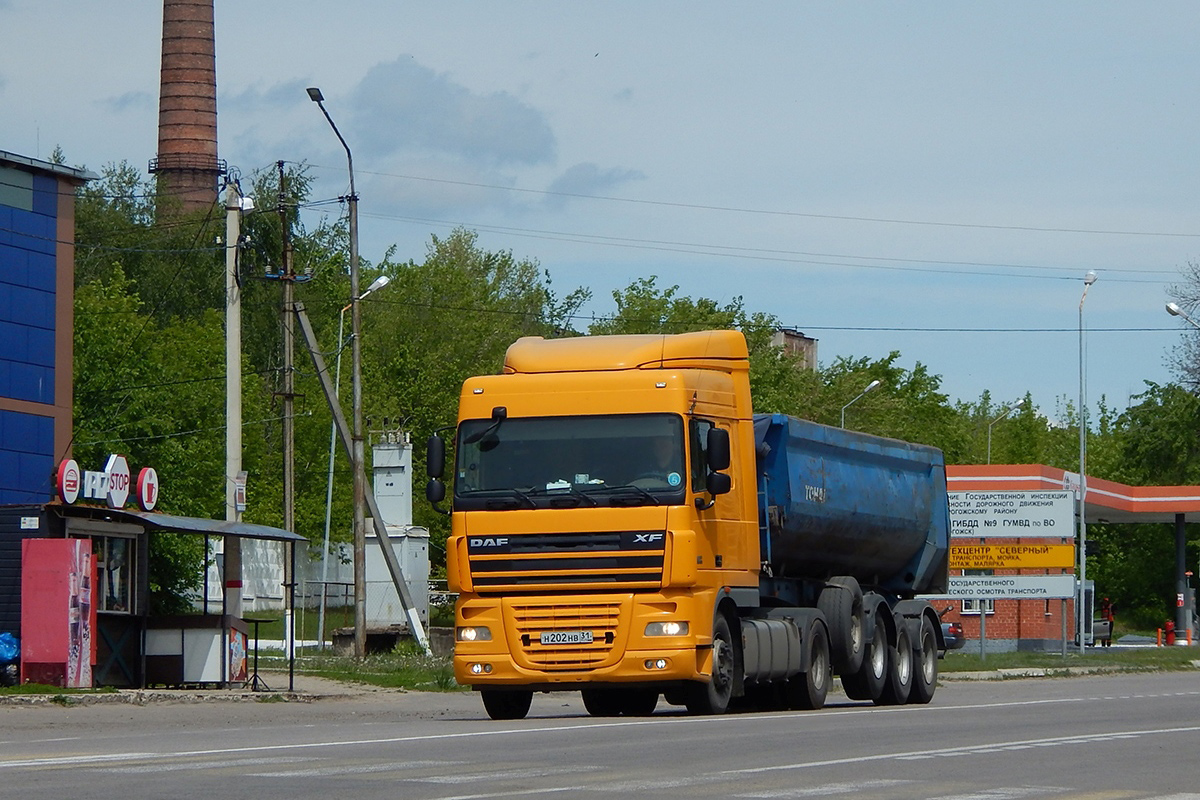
[475, 633]
[667, 629]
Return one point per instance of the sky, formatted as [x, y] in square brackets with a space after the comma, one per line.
[931, 178]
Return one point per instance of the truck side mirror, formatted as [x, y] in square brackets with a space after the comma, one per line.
[718, 450]
[435, 492]
[718, 483]
[435, 459]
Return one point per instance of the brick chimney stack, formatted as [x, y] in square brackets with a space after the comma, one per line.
[187, 165]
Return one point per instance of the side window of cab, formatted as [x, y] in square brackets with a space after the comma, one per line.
[698, 447]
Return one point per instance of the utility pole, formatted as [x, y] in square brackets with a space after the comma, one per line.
[289, 396]
[232, 598]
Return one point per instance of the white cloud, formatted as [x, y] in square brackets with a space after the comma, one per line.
[404, 107]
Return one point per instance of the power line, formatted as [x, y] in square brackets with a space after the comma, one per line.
[772, 212]
[179, 434]
[779, 256]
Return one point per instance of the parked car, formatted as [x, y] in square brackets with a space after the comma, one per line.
[953, 633]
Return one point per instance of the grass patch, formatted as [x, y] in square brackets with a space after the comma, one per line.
[405, 667]
[1143, 659]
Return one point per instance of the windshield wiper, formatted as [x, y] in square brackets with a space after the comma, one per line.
[565, 492]
[642, 493]
[515, 494]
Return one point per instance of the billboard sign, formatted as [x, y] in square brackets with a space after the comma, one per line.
[1012, 556]
[978, 514]
[1021, 587]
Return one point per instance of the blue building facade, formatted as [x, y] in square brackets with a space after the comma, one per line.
[37, 297]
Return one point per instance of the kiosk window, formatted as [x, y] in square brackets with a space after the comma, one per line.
[114, 571]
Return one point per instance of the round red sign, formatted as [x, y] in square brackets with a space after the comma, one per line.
[69, 481]
[147, 489]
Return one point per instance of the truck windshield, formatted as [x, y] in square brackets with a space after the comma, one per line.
[554, 462]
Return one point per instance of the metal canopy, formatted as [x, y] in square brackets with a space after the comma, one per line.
[1106, 501]
[168, 522]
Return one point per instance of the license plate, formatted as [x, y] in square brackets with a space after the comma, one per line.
[567, 637]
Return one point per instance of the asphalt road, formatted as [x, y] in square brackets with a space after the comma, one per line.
[1110, 737]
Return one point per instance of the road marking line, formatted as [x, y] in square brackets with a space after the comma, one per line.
[854, 787]
[994, 747]
[320, 772]
[570, 727]
[1004, 793]
[201, 765]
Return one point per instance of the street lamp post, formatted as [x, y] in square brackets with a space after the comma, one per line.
[1183, 617]
[872, 386]
[357, 457]
[375, 286]
[1007, 411]
[1080, 609]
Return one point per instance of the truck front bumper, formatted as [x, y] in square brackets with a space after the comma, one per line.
[616, 647]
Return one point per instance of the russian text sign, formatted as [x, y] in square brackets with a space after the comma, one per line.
[1044, 587]
[1012, 556]
[978, 514]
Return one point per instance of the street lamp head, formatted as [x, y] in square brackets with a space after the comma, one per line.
[376, 285]
[315, 95]
[873, 385]
[1174, 310]
[1088, 279]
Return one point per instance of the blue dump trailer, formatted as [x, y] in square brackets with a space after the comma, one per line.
[851, 528]
[838, 502]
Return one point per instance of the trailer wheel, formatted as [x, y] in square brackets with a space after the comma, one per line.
[900, 670]
[808, 689]
[842, 603]
[867, 683]
[926, 672]
[713, 696]
[506, 705]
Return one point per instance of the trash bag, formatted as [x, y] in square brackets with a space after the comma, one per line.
[10, 648]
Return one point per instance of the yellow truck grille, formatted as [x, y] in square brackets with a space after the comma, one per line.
[531, 621]
[531, 563]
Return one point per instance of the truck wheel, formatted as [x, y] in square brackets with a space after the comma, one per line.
[841, 601]
[900, 670]
[506, 705]
[926, 672]
[637, 702]
[807, 690]
[713, 696]
[867, 682]
[600, 702]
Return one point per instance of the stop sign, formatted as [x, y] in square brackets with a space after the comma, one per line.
[117, 481]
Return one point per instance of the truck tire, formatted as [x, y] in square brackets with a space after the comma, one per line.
[600, 702]
[634, 702]
[713, 696]
[867, 683]
[637, 702]
[925, 670]
[842, 603]
[506, 705]
[807, 690]
[900, 670]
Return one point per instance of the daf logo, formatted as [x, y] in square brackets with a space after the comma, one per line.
[499, 541]
[647, 537]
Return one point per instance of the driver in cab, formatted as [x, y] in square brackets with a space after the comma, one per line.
[662, 468]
